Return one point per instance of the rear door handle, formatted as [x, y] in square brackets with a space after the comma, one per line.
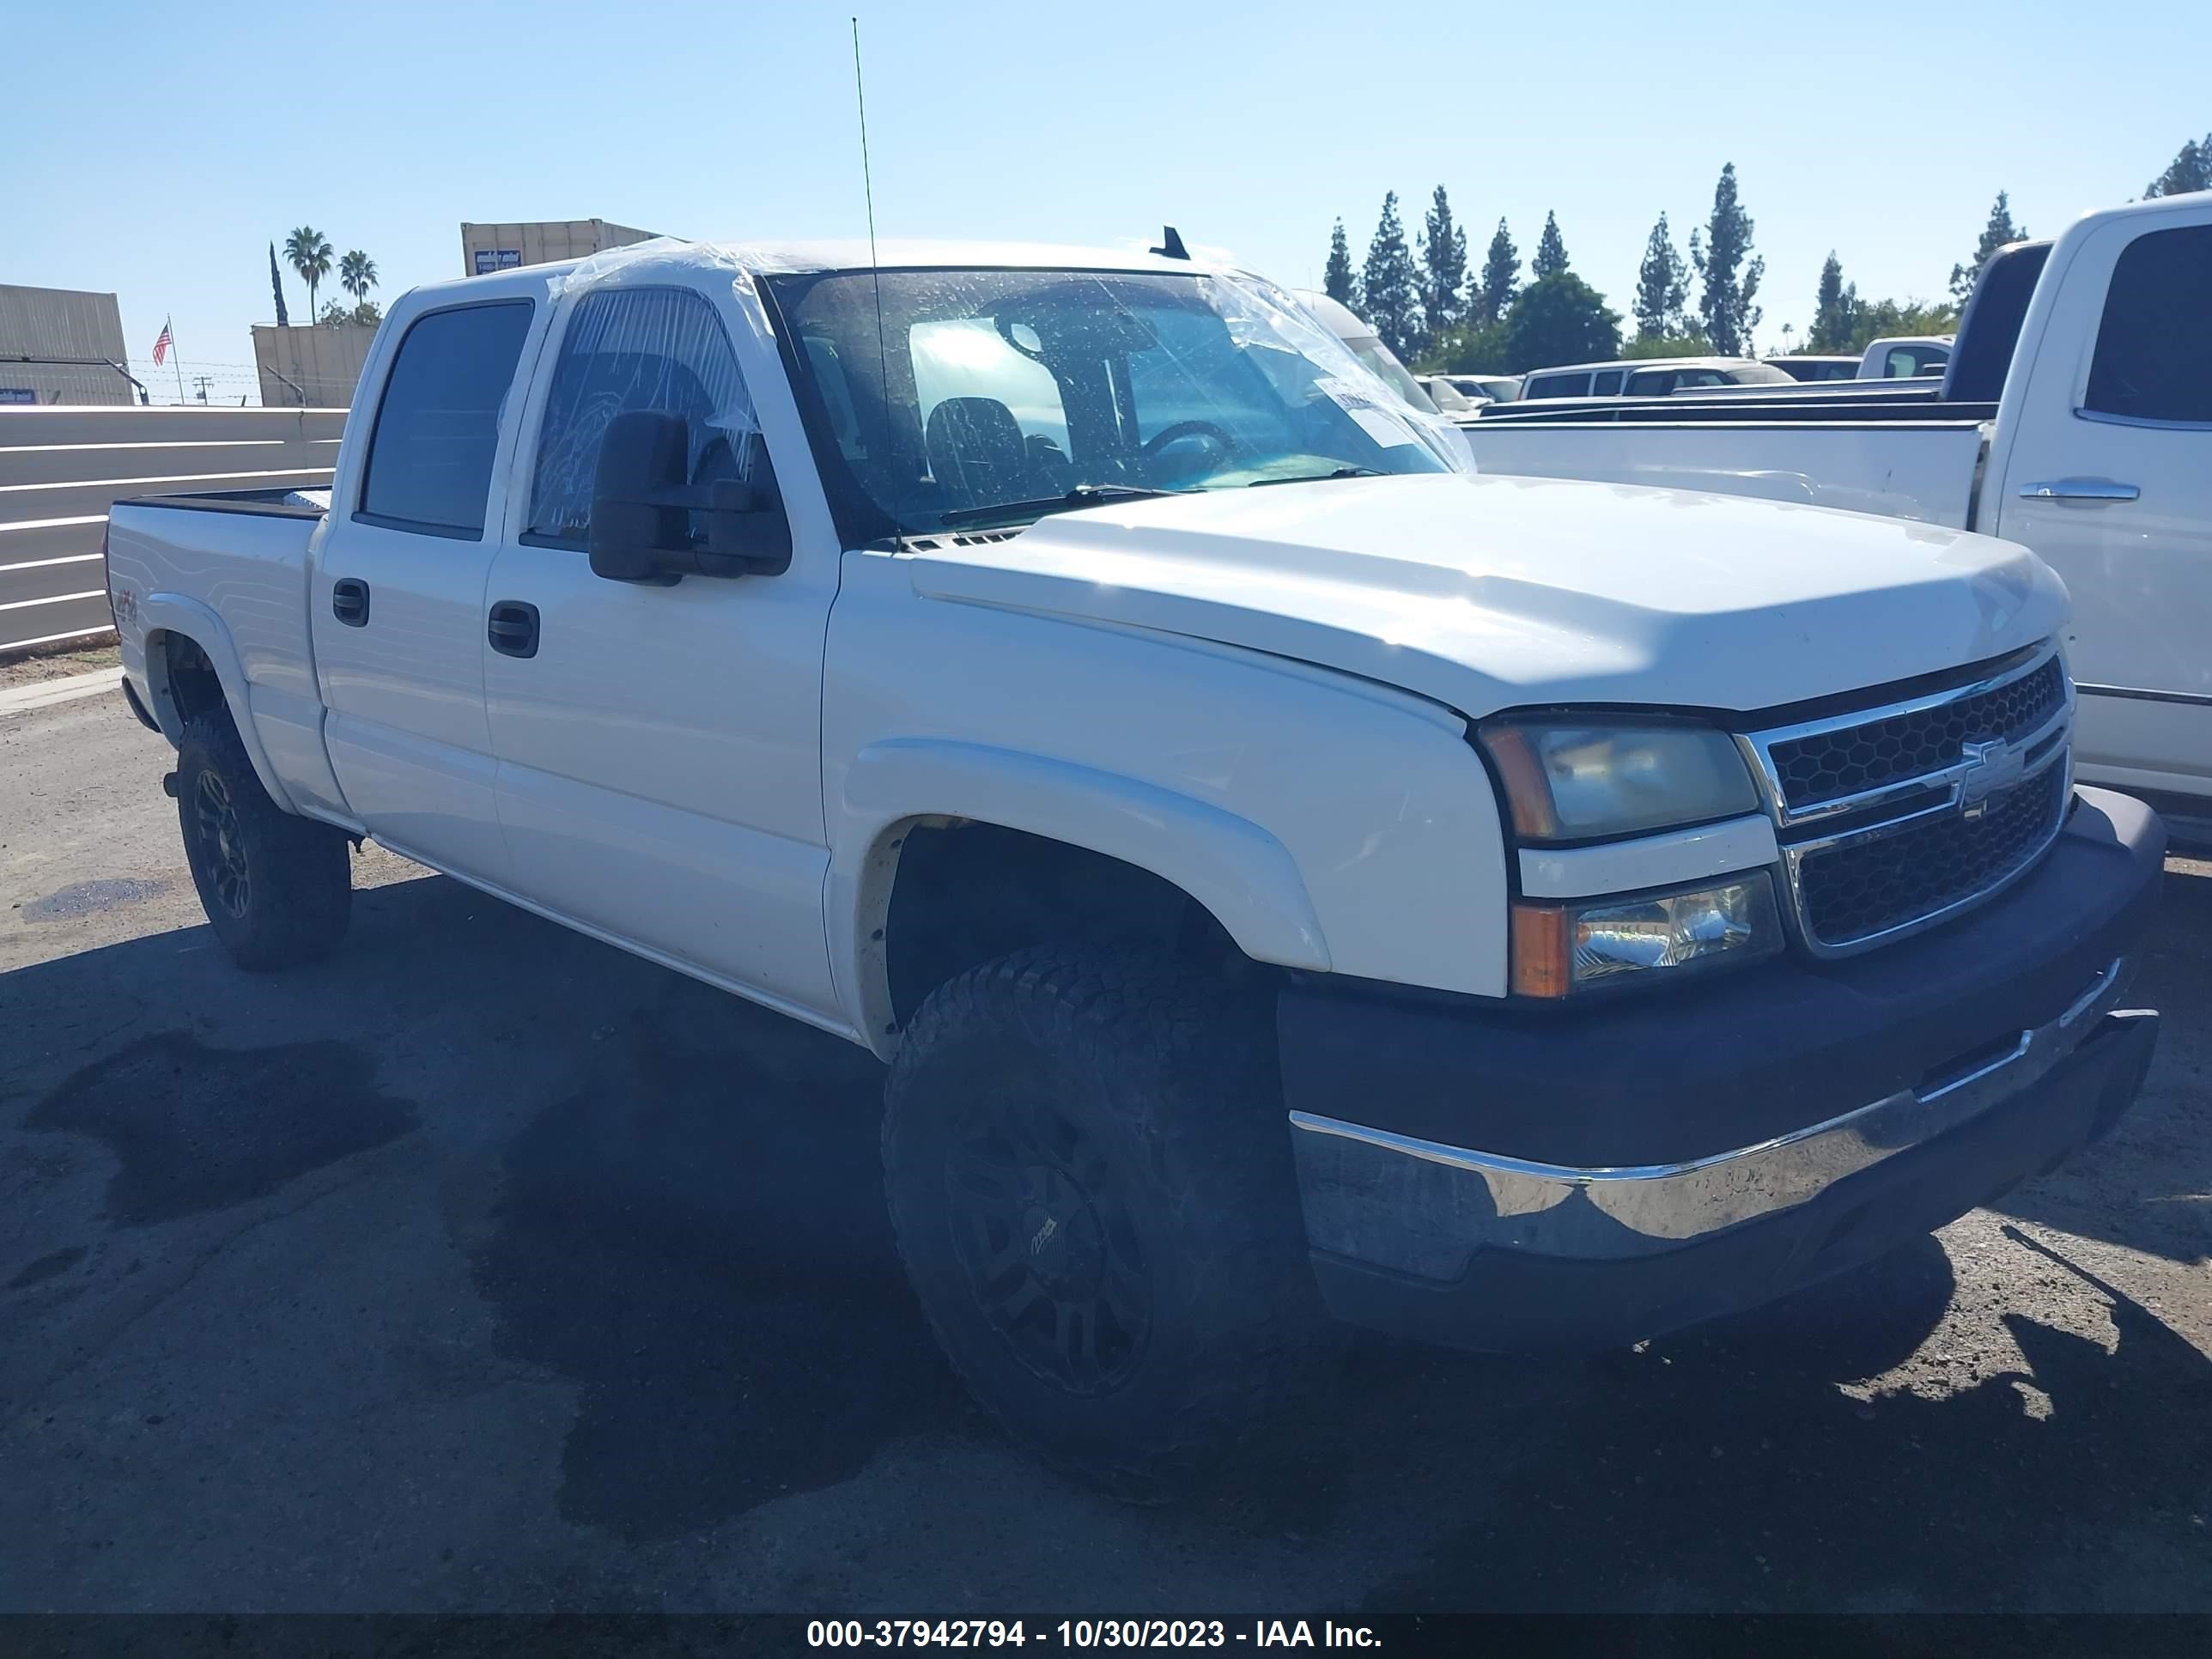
[2080, 490]
[349, 601]
[512, 629]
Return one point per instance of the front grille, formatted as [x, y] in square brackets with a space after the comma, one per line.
[1825, 765]
[1858, 889]
[1894, 817]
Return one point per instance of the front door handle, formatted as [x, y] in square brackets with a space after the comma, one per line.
[512, 629]
[349, 601]
[2079, 490]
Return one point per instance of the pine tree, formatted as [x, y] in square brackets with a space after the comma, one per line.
[1999, 231]
[1550, 257]
[2190, 170]
[1336, 278]
[1729, 271]
[1662, 289]
[1835, 311]
[1444, 269]
[1501, 278]
[1389, 289]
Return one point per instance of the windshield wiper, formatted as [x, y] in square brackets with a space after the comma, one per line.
[1318, 477]
[1081, 495]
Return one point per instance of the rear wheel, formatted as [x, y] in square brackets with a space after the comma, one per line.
[277, 889]
[1090, 1177]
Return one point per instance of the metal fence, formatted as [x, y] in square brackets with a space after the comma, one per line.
[61, 469]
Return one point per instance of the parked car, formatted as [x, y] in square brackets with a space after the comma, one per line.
[1650, 377]
[1486, 388]
[2075, 417]
[1361, 340]
[1282, 873]
[1448, 399]
[1808, 367]
[1903, 356]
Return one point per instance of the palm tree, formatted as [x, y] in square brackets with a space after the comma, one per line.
[309, 250]
[357, 275]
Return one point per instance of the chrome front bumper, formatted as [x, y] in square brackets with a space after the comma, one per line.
[1421, 1208]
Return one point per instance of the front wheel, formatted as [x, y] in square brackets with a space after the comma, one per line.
[277, 889]
[1089, 1177]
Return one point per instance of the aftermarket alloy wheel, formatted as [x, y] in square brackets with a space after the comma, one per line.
[1089, 1177]
[277, 889]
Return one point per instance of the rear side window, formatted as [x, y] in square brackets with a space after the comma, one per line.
[1651, 383]
[1607, 384]
[633, 348]
[2153, 358]
[430, 452]
[1558, 386]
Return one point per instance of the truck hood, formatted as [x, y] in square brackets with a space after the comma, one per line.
[1487, 593]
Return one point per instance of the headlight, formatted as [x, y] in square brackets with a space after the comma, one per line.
[1577, 781]
[1558, 949]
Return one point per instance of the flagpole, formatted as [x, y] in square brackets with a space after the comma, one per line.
[168, 328]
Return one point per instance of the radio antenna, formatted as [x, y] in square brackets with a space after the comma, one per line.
[875, 276]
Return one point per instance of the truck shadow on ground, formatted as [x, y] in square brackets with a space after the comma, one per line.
[2145, 1187]
[697, 1235]
[1724, 1471]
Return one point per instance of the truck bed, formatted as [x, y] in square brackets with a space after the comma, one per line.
[243, 557]
[1903, 459]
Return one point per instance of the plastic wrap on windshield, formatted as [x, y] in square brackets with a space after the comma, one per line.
[1263, 316]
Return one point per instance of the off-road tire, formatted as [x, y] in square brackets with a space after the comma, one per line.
[277, 889]
[1173, 1080]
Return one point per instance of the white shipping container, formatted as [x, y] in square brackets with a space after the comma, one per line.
[503, 246]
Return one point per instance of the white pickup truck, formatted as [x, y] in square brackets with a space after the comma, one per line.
[1284, 873]
[2076, 418]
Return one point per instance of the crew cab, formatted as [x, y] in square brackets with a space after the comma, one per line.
[2076, 418]
[1286, 876]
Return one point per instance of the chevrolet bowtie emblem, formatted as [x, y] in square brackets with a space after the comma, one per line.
[1991, 767]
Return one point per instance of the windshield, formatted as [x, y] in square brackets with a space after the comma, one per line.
[1027, 390]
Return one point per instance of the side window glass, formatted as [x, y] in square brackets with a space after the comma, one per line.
[1649, 384]
[1607, 383]
[2154, 359]
[430, 452]
[635, 348]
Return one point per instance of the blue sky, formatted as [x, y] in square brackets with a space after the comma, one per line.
[164, 146]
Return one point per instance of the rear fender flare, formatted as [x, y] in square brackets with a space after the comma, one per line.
[162, 613]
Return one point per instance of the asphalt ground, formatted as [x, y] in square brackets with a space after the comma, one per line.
[483, 1267]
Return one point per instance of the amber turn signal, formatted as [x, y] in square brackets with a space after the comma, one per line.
[1542, 966]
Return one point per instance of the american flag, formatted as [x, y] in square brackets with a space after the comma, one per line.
[161, 345]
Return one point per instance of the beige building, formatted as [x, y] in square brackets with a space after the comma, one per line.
[302, 367]
[57, 345]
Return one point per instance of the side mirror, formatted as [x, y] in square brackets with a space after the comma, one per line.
[644, 506]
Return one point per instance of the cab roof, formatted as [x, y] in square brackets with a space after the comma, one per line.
[768, 258]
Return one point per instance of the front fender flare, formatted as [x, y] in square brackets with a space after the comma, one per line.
[1239, 872]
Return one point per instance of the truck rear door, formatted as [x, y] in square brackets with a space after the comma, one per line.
[2109, 478]
[397, 597]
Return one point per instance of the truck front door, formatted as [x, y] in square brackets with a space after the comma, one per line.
[660, 747]
[2110, 480]
[396, 601]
